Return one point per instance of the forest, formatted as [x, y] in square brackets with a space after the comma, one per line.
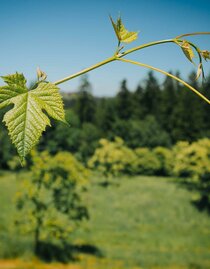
[151, 115]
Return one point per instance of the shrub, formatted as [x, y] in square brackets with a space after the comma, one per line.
[90, 135]
[193, 162]
[146, 162]
[165, 157]
[112, 158]
[142, 133]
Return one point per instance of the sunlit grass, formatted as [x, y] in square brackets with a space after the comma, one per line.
[142, 222]
[88, 263]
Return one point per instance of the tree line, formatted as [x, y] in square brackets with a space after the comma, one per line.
[154, 114]
[171, 107]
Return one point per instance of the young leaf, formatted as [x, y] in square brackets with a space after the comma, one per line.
[41, 75]
[26, 120]
[199, 71]
[123, 34]
[205, 54]
[187, 49]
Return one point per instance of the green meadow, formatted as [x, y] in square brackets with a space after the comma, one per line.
[139, 222]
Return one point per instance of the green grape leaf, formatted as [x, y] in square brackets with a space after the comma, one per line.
[16, 84]
[187, 49]
[27, 119]
[122, 34]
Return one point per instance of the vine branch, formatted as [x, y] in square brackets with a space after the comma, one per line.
[167, 74]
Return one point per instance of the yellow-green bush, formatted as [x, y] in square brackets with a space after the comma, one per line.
[192, 160]
[112, 158]
[184, 159]
[165, 157]
[146, 162]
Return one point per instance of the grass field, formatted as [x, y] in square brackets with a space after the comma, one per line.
[145, 222]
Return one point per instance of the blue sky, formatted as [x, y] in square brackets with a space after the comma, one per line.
[63, 37]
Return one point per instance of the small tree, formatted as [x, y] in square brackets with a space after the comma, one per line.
[124, 102]
[49, 203]
[112, 158]
[85, 106]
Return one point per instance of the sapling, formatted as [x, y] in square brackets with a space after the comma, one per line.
[26, 120]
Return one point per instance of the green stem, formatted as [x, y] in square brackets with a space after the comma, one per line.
[167, 74]
[108, 60]
[111, 59]
[120, 55]
[146, 45]
[191, 34]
